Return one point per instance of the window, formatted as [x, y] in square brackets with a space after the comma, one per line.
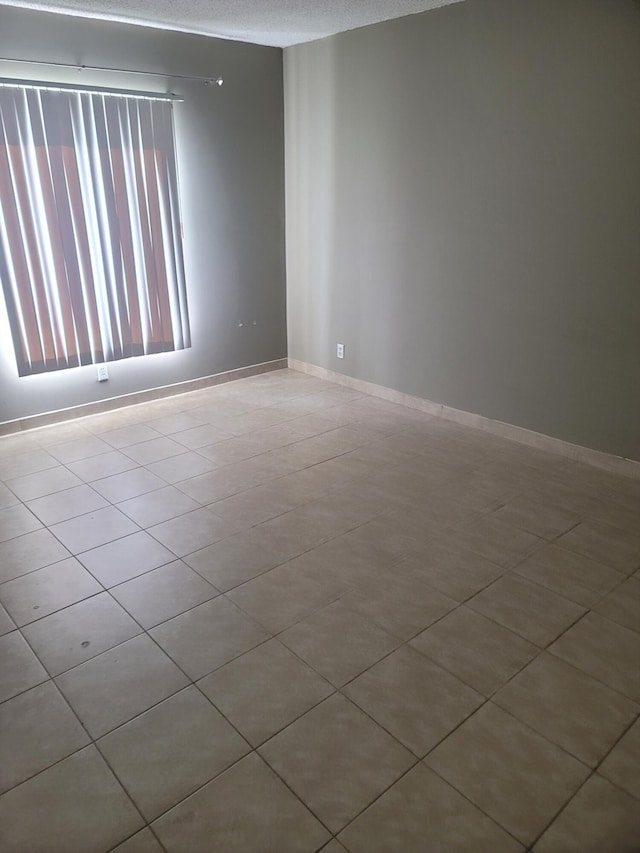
[90, 246]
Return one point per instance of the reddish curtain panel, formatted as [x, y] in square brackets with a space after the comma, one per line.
[90, 240]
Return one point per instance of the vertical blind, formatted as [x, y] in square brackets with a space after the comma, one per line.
[90, 246]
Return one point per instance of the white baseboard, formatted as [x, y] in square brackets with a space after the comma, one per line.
[61, 415]
[607, 461]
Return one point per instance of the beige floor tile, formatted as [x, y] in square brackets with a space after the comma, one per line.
[80, 632]
[201, 436]
[16, 521]
[32, 486]
[349, 561]
[353, 467]
[249, 422]
[172, 749]
[543, 520]
[454, 571]
[67, 504]
[334, 847]
[16, 464]
[169, 424]
[162, 593]
[408, 490]
[598, 481]
[312, 483]
[318, 401]
[422, 813]
[605, 650]
[157, 506]
[248, 810]
[401, 606]
[7, 498]
[622, 605]
[44, 591]
[337, 513]
[264, 690]
[618, 515]
[338, 643]
[78, 448]
[125, 558]
[14, 445]
[80, 808]
[181, 467]
[415, 700]
[93, 529]
[112, 419]
[232, 562]
[142, 842]
[218, 484]
[254, 505]
[622, 765]
[600, 819]
[20, 669]
[337, 760]
[37, 729]
[568, 495]
[335, 568]
[208, 636]
[433, 514]
[480, 652]
[6, 622]
[568, 707]
[406, 485]
[482, 491]
[281, 597]
[288, 535]
[604, 543]
[513, 774]
[117, 685]
[192, 531]
[154, 450]
[216, 411]
[231, 450]
[63, 431]
[530, 610]
[28, 553]
[104, 465]
[383, 452]
[318, 448]
[128, 484]
[262, 468]
[573, 576]
[124, 436]
[364, 497]
[499, 542]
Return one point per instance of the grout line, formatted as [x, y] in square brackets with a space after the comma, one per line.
[562, 808]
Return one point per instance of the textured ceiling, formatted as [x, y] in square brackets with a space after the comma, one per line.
[279, 23]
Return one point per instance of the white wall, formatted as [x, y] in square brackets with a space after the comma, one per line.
[463, 211]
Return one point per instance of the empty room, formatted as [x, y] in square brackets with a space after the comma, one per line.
[320, 426]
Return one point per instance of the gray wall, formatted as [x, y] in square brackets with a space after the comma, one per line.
[463, 211]
[231, 162]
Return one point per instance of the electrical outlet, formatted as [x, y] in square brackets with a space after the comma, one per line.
[340, 350]
[103, 373]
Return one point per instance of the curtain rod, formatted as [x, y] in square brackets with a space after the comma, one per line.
[208, 81]
[11, 83]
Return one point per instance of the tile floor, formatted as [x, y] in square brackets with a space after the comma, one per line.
[279, 615]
